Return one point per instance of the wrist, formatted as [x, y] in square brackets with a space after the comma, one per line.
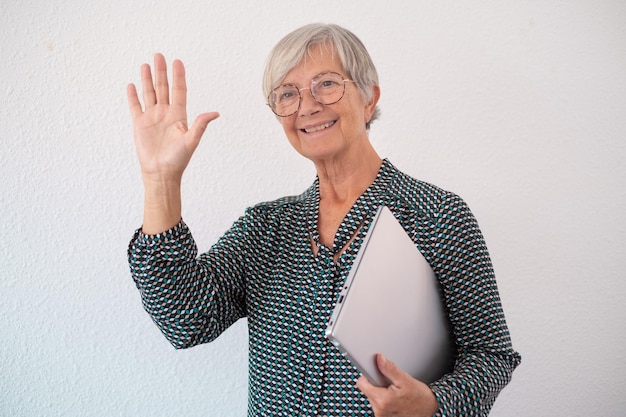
[162, 206]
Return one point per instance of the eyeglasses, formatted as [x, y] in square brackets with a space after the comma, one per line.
[326, 88]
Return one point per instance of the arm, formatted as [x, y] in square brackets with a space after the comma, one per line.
[176, 289]
[485, 358]
[191, 299]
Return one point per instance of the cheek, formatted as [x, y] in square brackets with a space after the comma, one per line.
[287, 124]
[360, 113]
[290, 131]
[353, 121]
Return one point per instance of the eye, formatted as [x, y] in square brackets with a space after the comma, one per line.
[328, 83]
[285, 94]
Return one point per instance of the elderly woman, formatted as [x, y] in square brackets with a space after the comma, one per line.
[282, 264]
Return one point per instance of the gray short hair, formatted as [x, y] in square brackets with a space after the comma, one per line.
[297, 45]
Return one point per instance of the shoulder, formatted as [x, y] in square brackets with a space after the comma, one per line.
[426, 200]
[280, 209]
[427, 210]
[431, 215]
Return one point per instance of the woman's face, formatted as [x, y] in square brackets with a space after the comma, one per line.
[326, 132]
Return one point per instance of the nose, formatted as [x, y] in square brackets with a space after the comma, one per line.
[308, 104]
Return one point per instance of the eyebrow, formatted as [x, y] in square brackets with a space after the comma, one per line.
[312, 78]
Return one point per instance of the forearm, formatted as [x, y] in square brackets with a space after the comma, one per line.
[191, 299]
[165, 270]
[162, 205]
[475, 383]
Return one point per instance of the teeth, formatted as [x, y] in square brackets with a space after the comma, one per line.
[320, 127]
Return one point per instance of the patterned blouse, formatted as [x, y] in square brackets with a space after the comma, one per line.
[264, 269]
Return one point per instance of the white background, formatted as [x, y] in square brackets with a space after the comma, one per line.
[518, 106]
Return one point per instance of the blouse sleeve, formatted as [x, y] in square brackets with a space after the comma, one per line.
[486, 358]
[191, 298]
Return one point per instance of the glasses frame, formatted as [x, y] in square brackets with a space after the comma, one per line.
[310, 88]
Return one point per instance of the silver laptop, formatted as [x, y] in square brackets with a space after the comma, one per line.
[391, 304]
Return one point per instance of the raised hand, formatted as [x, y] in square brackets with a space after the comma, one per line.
[163, 140]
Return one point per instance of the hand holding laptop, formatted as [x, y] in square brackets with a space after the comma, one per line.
[404, 393]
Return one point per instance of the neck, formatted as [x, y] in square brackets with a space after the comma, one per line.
[342, 180]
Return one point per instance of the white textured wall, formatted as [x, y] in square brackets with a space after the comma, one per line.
[518, 106]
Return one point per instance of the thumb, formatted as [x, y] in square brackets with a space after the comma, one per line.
[199, 125]
[390, 370]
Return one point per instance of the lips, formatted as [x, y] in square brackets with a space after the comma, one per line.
[318, 127]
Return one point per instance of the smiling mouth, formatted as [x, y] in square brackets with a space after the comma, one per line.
[319, 127]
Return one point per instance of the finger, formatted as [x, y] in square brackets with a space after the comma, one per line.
[160, 79]
[149, 97]
[375, 395]
[199, 126]
[389, 369]
[133, 101]
[179, 87]
[366, 386]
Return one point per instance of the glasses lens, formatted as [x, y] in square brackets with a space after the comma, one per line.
[328, 88]
[284, 100]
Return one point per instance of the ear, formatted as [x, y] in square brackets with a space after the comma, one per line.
[371, 106]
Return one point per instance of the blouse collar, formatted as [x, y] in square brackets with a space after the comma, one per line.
[364, 208]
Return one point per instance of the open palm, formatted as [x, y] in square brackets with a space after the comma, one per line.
[163, 140]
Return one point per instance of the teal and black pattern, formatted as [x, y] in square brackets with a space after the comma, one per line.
[263, 268]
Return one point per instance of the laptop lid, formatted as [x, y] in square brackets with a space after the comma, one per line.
[391, 303]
